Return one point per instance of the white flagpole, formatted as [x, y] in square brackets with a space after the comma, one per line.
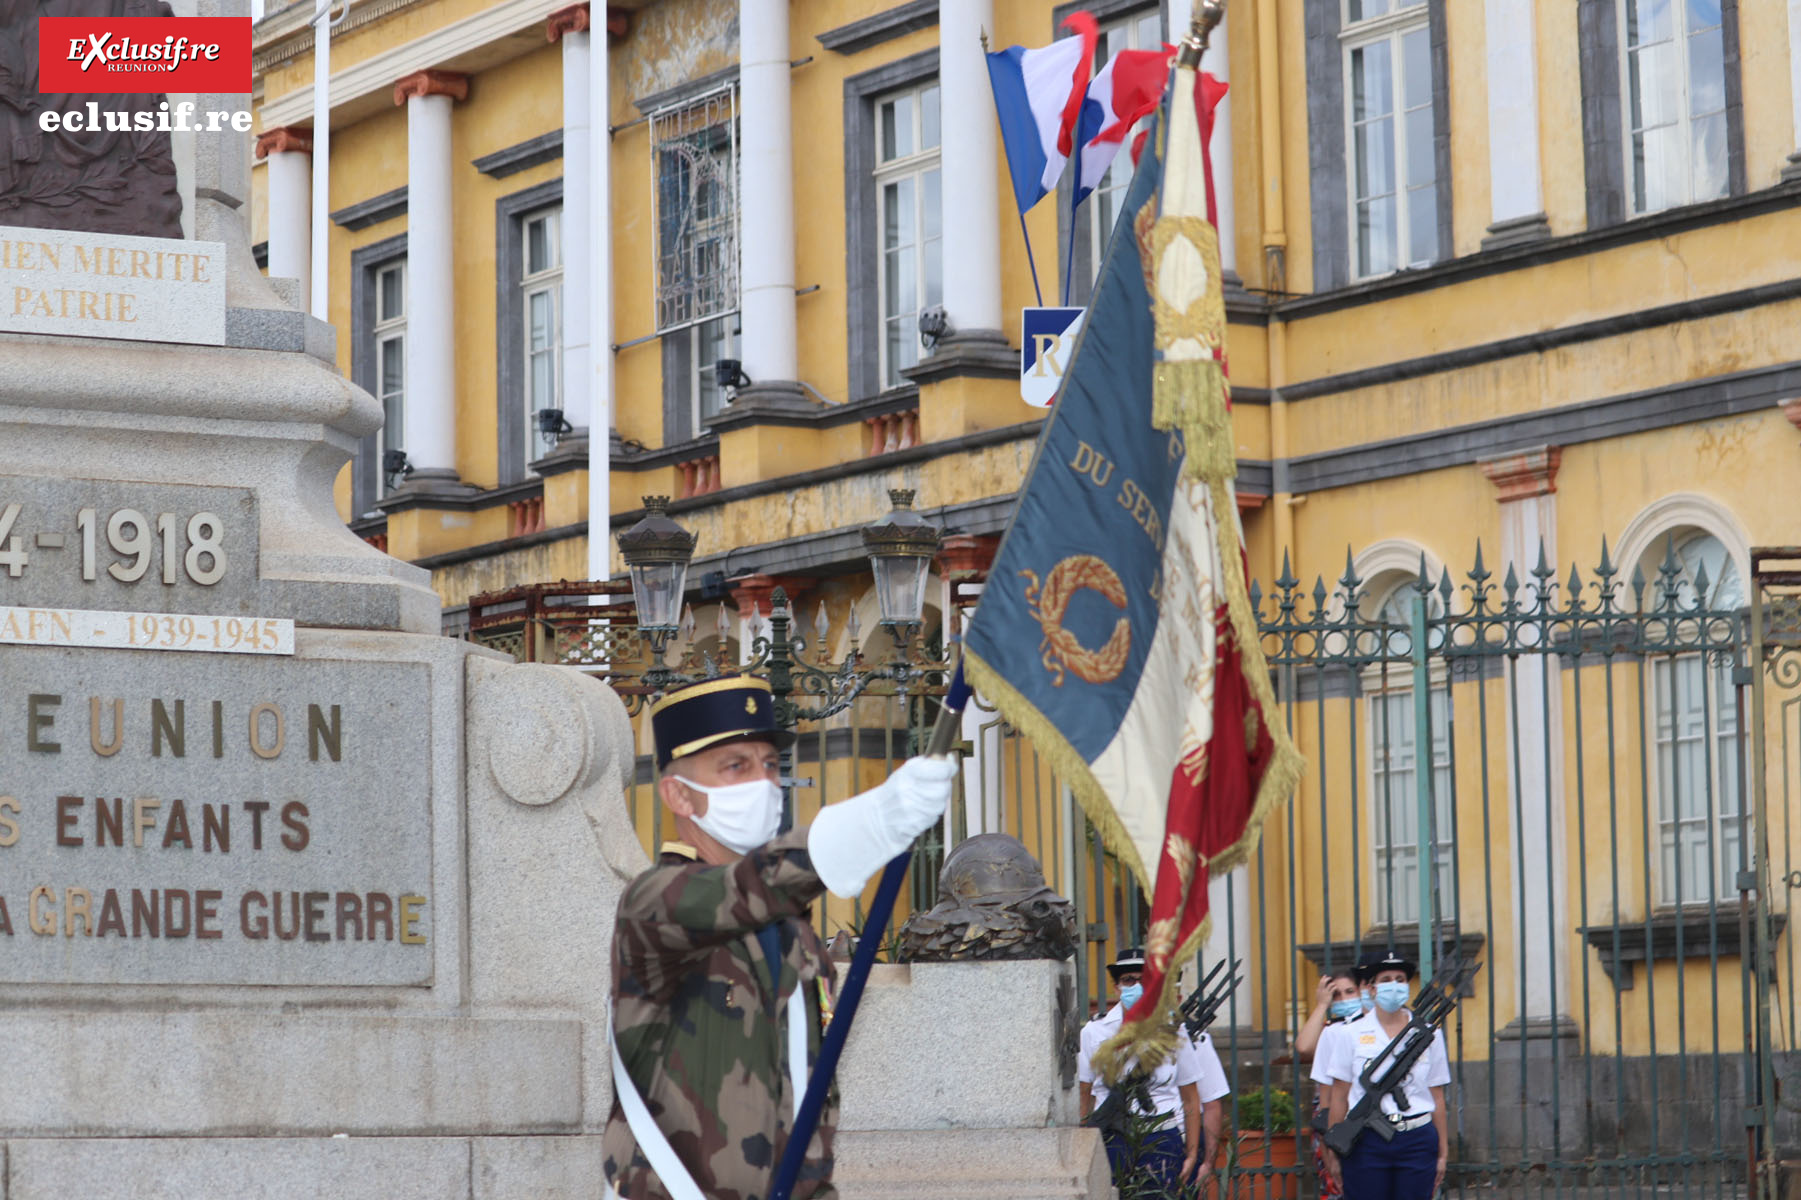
[321, 259]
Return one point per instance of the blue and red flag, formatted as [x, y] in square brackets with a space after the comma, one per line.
[1038, 97]
[1116, 629]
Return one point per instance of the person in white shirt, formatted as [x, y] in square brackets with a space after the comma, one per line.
[1185, 1090]
[1336, 1000]
[1412, 1166]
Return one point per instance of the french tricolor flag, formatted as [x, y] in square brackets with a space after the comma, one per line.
[1038, 96]
[1127, 89]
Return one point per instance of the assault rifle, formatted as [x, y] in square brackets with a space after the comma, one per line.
[1196, 1013]
[1199, 1010]
[1386, 1074]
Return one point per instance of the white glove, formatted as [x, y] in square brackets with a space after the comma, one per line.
[853, 839]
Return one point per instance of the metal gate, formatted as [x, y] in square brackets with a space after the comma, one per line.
[1577, 806]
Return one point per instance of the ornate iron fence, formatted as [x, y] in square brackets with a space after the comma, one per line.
[1593, 802]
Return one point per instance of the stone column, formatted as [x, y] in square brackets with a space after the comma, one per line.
[1526, 483]
[1516, 196]
[1792, 169]
[570, 26]
[289, 150]
[970, 155]
[430, 283]
[766, 203]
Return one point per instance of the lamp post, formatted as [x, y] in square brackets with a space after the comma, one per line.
[900, 546]
[657, 552]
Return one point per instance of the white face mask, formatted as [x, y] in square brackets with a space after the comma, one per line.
[741, 816]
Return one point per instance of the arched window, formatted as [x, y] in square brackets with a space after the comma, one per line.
[1393, 748]
[1699, 749]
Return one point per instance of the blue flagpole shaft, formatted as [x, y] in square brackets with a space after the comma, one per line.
[831, 1047]
[1030, 261]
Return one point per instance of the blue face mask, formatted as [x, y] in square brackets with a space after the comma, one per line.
[1130, 995]
[1391, 996]
[1345, 1010]
[1364, 998]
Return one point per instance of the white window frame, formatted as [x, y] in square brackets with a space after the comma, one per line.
[389, 329]
[1716, 712]
[1131, 34]
[1378, 687]
[1390, 27]
[702, 382]
[1680, 36]
[546, 281]
[915, 166]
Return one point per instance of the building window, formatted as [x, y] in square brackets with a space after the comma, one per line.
[694, 150]
[1674, 76]
[378, 362]
[713, 340]
[1138, 31]
[1393, 176]
[390, 360]
[911, 263]
[1394, 772]
[1700, 753]
[541, 313]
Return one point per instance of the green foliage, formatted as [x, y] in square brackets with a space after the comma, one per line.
[1259, 1104]
[1138, 1182]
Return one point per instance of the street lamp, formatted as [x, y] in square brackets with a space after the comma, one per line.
[901, 546]
[657, 552]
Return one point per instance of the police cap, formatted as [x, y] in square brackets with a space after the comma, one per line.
[1131, 959]
[1377, 961]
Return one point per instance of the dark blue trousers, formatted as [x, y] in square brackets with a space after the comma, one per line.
[1160, 1154]
[1403, 1169]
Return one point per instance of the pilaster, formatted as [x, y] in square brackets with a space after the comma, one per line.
[1526, 488]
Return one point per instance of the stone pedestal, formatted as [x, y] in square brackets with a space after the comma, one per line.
[959, 1080]
[297, 897]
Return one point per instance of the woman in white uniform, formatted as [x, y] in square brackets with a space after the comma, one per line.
[1412, 1166]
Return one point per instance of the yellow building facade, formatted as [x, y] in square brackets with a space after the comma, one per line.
[1516, 273]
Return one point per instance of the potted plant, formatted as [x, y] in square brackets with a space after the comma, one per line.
[1263, 1146]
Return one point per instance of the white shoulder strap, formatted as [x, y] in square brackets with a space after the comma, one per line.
[661, 1155]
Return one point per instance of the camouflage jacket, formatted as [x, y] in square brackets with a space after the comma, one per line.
[699, 1031]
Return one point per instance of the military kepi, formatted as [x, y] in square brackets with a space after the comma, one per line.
[713, 712]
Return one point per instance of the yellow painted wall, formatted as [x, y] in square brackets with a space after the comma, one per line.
[1744, 463]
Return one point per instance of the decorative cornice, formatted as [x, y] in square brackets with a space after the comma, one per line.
[573, 19]
[284, 139]
[684, 94]
[1524, 474]
[546, 147]
[432, 82]
[372, 211]
[857, 36]
[477, 42]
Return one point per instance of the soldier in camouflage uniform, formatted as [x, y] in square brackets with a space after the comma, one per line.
[716, 969]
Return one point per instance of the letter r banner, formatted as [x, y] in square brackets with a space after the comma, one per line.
[117, 55]
[1047, 336]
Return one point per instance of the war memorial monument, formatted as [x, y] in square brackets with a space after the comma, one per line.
[297, 896]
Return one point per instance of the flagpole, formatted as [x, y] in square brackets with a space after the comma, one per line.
[831, 1047]
[1030, 261]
